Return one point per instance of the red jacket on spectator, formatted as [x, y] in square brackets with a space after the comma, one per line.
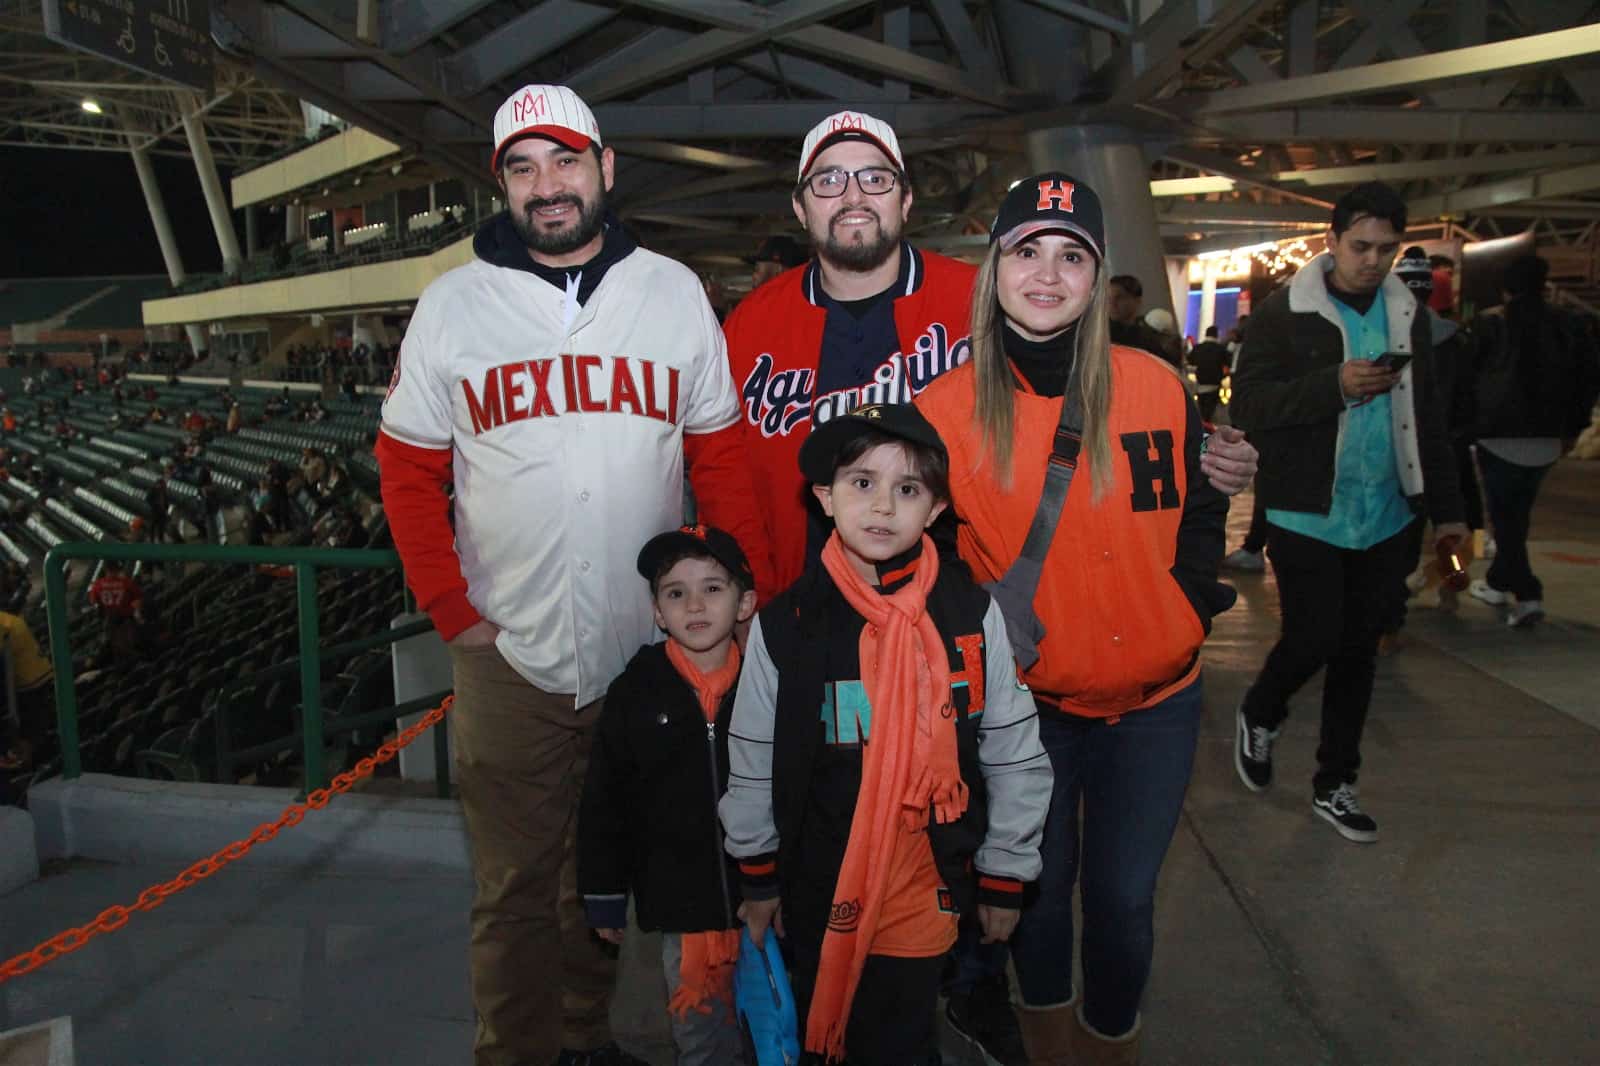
[116, 594]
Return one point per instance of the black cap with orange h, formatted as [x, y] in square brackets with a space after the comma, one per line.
[698, 540]
[1054, 201]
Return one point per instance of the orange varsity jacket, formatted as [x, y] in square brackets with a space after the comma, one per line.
[1129, 584]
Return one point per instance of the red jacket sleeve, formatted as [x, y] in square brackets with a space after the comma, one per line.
[724, 492]
[413, 480]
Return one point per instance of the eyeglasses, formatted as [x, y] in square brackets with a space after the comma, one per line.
[874, 181]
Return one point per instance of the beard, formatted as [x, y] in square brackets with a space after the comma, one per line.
[866, 248]
[590, 222]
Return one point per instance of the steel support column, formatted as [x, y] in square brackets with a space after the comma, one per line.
[216, 199]
[1112, 161]
[165, 238]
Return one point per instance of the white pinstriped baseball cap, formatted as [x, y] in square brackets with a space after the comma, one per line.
[849, 124]
[553, 111]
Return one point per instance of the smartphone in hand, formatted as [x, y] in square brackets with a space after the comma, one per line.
[1394, 362]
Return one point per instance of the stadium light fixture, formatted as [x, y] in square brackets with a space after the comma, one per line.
[92, 106]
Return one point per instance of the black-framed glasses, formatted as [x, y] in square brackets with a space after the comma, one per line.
[874, 181]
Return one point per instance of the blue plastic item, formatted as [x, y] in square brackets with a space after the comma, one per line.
[765, 1002]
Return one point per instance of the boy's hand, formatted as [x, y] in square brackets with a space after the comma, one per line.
[610, 936]
[998, 923]
[757, 914]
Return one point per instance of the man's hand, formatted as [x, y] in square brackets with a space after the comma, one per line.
[757, 914]
[1362, 379]
[1230, 461]
[1457, 530]
[610, 936]
[479, 634]
[998, 923]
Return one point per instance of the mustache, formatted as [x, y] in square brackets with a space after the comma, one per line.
[530, 206]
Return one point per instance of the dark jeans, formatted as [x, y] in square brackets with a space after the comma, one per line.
[1413, 552]
[1208, 404]
[1335, 603]
[892, 1017]
[1256, 539]
[1128, 777]
[1511, 490]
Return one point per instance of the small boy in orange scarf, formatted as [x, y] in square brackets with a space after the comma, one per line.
[648, 819]
[886, 773]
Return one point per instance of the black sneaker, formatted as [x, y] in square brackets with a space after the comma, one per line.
[605, 1055]
[1252, 752]
[984, 1019]
[1339, 807]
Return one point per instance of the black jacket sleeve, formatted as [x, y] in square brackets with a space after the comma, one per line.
[1275, 386]
[1201, 531]
[1439, 483]
[604, 872]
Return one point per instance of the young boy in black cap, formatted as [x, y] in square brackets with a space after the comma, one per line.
[648, 819]
[922, 789]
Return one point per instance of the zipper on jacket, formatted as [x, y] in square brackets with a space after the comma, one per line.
[716, 795]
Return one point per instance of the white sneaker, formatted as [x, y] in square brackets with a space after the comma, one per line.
[1481, 590]
[1239, 559]
[1525, 613]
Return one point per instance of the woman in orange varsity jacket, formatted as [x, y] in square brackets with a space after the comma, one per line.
[1125, 590]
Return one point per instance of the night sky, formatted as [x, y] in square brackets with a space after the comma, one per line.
[76, 214]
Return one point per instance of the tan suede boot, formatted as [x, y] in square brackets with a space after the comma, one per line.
[1050, 1034]
[1096, 1049]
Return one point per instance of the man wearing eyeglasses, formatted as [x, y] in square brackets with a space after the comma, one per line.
[869, 320]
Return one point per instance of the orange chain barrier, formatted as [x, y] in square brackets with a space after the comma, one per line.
[70, 940]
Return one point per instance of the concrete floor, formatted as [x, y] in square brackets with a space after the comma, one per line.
[1467, 936]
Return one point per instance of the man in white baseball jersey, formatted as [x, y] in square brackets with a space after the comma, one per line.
[559, 382]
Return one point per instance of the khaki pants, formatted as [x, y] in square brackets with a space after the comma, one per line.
[540, 981]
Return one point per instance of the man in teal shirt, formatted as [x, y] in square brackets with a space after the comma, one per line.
[1336, 389]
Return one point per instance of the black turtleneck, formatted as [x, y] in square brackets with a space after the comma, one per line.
[1044, 365]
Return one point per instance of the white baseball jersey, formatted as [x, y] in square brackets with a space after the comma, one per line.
[567, 426]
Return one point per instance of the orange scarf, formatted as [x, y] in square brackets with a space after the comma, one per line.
[705, 971]
[908, 764]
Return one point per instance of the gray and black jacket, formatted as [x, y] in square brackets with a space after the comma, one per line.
[791, 794]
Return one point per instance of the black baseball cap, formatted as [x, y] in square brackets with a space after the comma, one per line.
[696, 540]
[1052, 201]
[780, 249]
[819, 455]
[1414, 269]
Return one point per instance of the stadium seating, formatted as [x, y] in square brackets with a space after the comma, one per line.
[198, 696]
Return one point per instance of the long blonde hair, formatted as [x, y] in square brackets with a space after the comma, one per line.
[994, 414]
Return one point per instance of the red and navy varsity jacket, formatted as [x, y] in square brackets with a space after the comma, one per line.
[775, 341]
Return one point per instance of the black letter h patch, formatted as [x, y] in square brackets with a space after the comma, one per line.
[1147, 469]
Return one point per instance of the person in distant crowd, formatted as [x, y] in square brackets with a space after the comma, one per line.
[313, 468]
[1165, 327]
[775, 255]
[1442, 294]
[1536, 385]
[159, 499]
[527, 570]
[121, 604]
[1211, 362]
[1336, 387]
[1454, 364]
[32, 674]
[1127, 321]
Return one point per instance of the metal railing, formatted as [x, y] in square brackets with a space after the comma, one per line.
[305, 563]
